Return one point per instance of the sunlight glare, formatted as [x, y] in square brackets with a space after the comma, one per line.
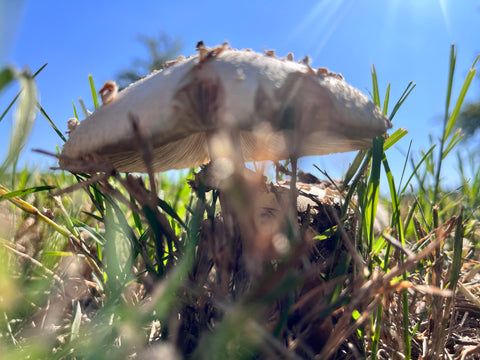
[419, 9]
[319, 24]
[443, 8]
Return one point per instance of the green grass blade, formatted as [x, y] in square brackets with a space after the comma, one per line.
[461, 97]
[396, 218]
[52, 124]
[7, 75]
[23, 192]
[373, 189]
[136, 217]
[397, 223]
[411, 85]
[23, 177]
[409, 216]
[99, 239]
[375, 91]
[23, 120]
[455, 139]
[376, 335]
[169, 210]
[158, 235]
[353, 168]
[39, 70]
[405, 163]
[450, 119]
[94, 91]
[77, 320]
[184, 266]
[112, 269]
[75, 110]
[386, 100]
[83, 107]
[416, 168]
[356, 183]
[10, 106]
[58, 253]
[451, 72]
[394, 138]
[457, 253]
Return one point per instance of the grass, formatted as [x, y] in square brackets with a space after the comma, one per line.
[118, 266]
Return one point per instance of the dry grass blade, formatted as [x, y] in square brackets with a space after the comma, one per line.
[470, 350]
[468, 294]
[397, 244]
[348, 244]
[97, 178]
[92, 260]
[35, 262]
[375, 288]
[88, 164]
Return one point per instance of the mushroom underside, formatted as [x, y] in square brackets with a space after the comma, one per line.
[192, 151]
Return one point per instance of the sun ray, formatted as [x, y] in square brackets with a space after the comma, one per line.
[443, 7]
[320, 23]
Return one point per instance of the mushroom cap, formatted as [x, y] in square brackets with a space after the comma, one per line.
[274, 108]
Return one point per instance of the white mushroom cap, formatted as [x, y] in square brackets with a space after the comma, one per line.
[273, 107]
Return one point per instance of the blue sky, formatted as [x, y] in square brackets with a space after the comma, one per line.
[407, 40]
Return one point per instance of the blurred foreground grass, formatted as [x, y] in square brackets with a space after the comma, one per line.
[112, 269]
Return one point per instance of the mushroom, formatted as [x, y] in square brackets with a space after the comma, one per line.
[229, 106]
[237, 105]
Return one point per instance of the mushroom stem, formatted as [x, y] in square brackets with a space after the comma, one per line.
[292, 211]
[227, 164]
[145, 149]
[293, 181]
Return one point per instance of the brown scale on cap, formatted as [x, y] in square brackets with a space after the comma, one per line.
[322, 71]
[72, 124]
[218, 49]
[306, 61]
[269, 53]
[202, 51]
[325, 72]
[173, 62]
[205, 52]
[108, 92]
